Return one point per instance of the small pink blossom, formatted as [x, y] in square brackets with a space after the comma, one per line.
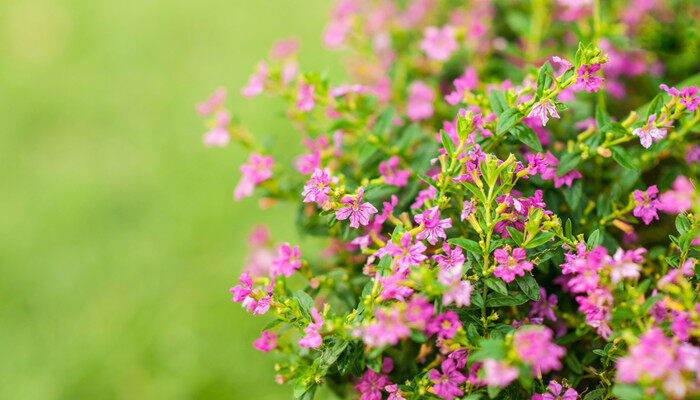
[358, 212]
[544, 109]
[467, 208]
[392, 175]
[550, 172]
[266, 342]
[316, 188]
[586, 79]
[439, 43]
[467, 81]
[649, 133]
[434, 227]
[287, 262]
[510, 265]
[647, 204]
[688, 96]
[305, 97]
[387, 330]
[313, 339]
[453, 257]
[212, 103]
[284, 48]
[534, 346]
[257, 170]
[420, 101]
[498, 373]
[446, 383]
[445, 325]
[219, 135]
[370, 385]
[256, 82]
[555, 392]
[680, 198]
[458, 291]
[255, 301]
[406, 254]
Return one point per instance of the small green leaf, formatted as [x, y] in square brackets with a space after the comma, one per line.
[498, 101]
[529, 286]
[544, 80]
[527, 136]
[683, 225]
[614, 127]
[654, 106]
[593, 239]
[568, 162]
[305, 301]
[511, 299]
[515, 235]
[623, 158]
[498, 285]
[540, 239]
[507, 120]
[384, 121]
[628, 392]
[596, 394]
[466, 244]
[602, 117]
[447, 143]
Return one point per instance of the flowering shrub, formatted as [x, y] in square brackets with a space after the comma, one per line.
[508, 193]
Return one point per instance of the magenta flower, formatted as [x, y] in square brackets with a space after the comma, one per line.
[305, 97]
[284, 48]
[467, 208]
[625, 264]
[370, 385]
[218, 136]
[256, 83]
[423, 196]
[258, 169]
[212, 103]
[680, 198]
[313, 339]
[387, 330]
[439, 43]
[534, 346]
[287, 262]
[510, 265]
[420, 101]
[445, 325]
[255, 301]
[688, 96]
[649, 133]
[498, 373]
[392, 175]
[543, 307]
[544, 109]
[458, 291]
[358, 212]
[418, 312]
[316, 188]
[392, 287]
[307, 163]
[647, 204]
[453, 257]
[467, 81]
[434, 227]
[394, 392]
[555, 392]
[266, 342]
[446, 384]
[586, 79]
[406, 255]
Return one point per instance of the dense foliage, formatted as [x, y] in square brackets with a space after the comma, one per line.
[508, 194]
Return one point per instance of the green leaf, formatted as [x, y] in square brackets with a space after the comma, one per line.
[544, 80]
[466, 244]
[568, 162]
[540, 239]
[614, 127]
[683, 224]
[507, 120]
[573, 194]
[475, 191]
[602, 117]
[498, 285]
[596, 394]
[527, 136]
[384, 121]
[529, 286]
[498, 101]
[447, 143]
[654, 106]
[488, 348]
[628, 392]
[305, 301]
[515, 235]
[511, 299]
[593, 239]
[623, 158]
[332, 353]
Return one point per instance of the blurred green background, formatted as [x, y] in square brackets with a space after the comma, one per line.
[119, 238]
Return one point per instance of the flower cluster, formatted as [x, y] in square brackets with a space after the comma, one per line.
[498, 211]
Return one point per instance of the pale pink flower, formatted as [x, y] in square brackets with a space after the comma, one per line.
[392, 175]
[256, 82]
[313, 338]
[212, 103]
[287, 262]
[420, 101]
[544, 109]
[305, 97]
[498, 373]
[358, 212]
[649, 133]
[439, 43]
[266, 342]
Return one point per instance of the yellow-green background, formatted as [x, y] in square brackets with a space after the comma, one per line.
[119, 238]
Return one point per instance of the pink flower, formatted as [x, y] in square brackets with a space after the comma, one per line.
[550, 172]
[467, 81]
[453, 257]
[423, 196]
[647, 204]
[256, 82]
[305, 97]
[212, 103]
[543, 307]
[418, 312]
[316, 188]
[258, 169]
[510, 265]
[446, 384]
[556, 394]
[467, 207]
[586, 79]
[534, 346]
[358, 212]
[434, 227]
[688, 96]
[371, 384]
[406, 255]
[649, 133]
[313, 339]
[287, 262]
[266, 342]
[445, 325]
[392, 288]
[680, 198]
[498, 373]
[335, 32]
[255, 301]
[458, 291]
[439, 43]
[420, 101]
[544, 109]
[394, 392]
[218, 136]
[387, 330]
[307, 163]
[392, 175]
[284, 48]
